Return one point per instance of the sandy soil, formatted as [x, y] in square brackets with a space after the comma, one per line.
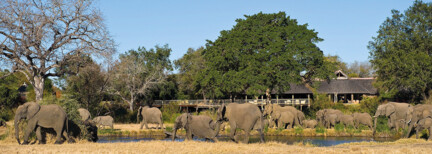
[207, 147]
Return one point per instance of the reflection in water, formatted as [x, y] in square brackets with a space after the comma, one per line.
[318, 141]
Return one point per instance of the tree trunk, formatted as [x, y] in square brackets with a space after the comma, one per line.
[204, 97]
[268, 95]
[38, 86]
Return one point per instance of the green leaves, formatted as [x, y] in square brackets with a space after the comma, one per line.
[262, 51]
[401, 53]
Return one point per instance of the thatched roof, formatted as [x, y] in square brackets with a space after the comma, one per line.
[348, 86]
[295, 89]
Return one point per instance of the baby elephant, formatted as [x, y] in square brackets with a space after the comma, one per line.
[284, 118]
[425, 123]
[310, 123]
[104, 121]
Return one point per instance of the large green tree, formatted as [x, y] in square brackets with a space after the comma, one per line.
[262, 52]
[189, 67]
[401, 53]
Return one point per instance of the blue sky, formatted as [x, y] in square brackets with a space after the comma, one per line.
[345, 26]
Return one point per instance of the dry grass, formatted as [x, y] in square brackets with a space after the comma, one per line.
[207, 147]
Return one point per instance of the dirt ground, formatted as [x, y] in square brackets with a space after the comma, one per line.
[207, 147]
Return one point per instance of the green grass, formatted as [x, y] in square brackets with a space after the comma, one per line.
[169, 129]
[298, 130]
[320, 129]
[339, 127]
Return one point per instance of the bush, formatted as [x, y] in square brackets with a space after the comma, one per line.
[170, 112]
[70, 106]
[298, 130]
[382, 125]
[369, 104]
[339, 127]
[320, 129]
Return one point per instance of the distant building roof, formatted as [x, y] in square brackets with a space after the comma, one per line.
[348, 86]
[296, 89]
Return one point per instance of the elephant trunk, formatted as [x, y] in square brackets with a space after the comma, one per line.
[174, 132]
[17, 120]
[138, 114]
[217, 128]
[375, 123]
[411, 125]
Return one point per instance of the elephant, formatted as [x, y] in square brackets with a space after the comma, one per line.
[331, 120]
[322, 114]
[310, 123]
[425, 123]
[362, 118]
[74, 131]
[85, 114]
[284, 118]
[150, 115]
[270, 108]
[241, 116]
[104, 121]
[38, 117]
[196, 125]
[346, 120]
[395, 111]
[417, 113]
[266, 122]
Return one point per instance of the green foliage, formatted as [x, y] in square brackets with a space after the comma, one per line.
[6, 114]
[189, 67]
[320, 129]
[382, 125]
[298, 130]
[9, 96]
[339, 127]
[170, 112]
[168, 129]
[71, 107]
[401, 53]
[87, 86]
[245, 58]
[369, 104]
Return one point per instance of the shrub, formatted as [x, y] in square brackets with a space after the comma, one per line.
[170, 112]
[320, 129]
[369, 104]
[382, 125]
[339, 127]
[70, 106]
[298, 130]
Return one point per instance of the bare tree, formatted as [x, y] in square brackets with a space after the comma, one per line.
[140, 71]
[38, 36]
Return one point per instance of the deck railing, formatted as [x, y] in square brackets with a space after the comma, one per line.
[200, 102]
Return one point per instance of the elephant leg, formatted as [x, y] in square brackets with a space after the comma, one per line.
[142, 124]
[31, 125]
[417, 132]
[39, 135]
[279, 124]
[430, 135]
[59, 132]
[189, 134]
[233, 131]
[246, 139]
[145, 123]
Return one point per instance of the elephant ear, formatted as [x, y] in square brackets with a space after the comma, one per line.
[32, 109]
[389, 110]
[221, 112]
[276, 115]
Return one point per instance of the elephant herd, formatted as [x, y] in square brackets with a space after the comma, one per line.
[246, 117]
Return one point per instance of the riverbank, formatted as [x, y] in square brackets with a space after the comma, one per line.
[400, 146]
[133, 130]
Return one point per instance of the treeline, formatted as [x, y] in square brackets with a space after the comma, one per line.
[259, 54]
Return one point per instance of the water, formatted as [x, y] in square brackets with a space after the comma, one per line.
[318, 141]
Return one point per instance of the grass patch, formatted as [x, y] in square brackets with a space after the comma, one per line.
[169, 129]
[339, 128]
[320, 129]
[298, 130]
